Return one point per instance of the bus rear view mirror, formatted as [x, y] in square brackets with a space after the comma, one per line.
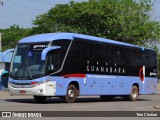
[46, 50]
[5, 54]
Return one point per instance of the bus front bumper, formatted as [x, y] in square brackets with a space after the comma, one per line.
[45, 89]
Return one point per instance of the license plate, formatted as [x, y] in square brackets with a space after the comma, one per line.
[22, 91]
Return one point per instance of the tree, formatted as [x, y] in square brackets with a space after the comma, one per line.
[123, 20]
[11, 36]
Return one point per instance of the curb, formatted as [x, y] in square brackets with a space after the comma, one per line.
[157, 106]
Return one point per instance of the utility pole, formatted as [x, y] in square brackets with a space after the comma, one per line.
[1, 3]
[1, 33]
[1, 63]
[0, 41]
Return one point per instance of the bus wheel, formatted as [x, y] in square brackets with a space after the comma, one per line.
[106, 97]
[40, 99]
[134, 94]
[71, 94]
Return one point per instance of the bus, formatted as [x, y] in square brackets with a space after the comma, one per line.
[68, 65]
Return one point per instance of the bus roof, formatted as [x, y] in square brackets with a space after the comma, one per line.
[68, 36]
[46, 37]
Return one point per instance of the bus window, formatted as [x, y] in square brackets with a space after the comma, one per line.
[112, 54]
[150, 59]
[96, 53]
[54, 61]
[78, 52]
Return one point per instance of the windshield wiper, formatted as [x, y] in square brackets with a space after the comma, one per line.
[24, 68]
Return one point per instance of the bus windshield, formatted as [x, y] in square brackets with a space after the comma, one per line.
[26, 62]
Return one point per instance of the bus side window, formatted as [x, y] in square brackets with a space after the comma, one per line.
[150, 58]
[138, 60]
[124, 56]
[96, 53]
[78, 52]
[53, 61]
[112, 54]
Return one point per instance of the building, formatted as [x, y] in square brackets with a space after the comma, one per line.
[5, 59]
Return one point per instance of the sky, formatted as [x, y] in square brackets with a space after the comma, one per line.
[22, 12]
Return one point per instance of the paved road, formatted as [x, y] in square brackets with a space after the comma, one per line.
[27, 103]
[19, 103]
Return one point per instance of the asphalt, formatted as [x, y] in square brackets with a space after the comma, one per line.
[158, 89]
[27, 103]
[158, 92]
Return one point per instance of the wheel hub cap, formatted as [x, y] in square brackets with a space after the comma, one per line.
[71, 93]
[134, 94]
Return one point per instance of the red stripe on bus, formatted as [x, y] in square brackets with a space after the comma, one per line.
[141, 75]
[75, 75]
[32, 83]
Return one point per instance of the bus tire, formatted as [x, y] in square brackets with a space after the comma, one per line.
[134, 94]
[70, 94]
[107, 97]
[40, 99]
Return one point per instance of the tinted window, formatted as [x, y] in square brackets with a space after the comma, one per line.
[54, 61]
[135, 56]
[55, 57]
[150, 58]
[124, 55]
[112, 54]
[96, 52]
[64, 44]
[78, 51]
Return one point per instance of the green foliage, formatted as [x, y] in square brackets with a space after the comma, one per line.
[158, 58]
[122, 20]
[11, 36]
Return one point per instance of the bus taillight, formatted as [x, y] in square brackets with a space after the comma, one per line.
[142, 73]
